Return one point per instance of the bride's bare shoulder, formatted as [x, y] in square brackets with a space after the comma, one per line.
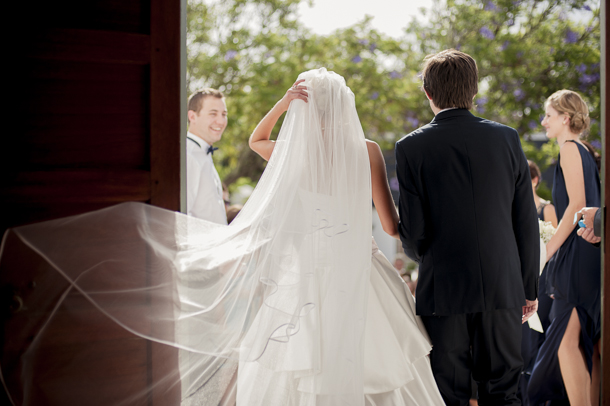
[374, 150]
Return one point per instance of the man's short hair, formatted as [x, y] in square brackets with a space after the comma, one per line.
[195, 102]
[451, 79]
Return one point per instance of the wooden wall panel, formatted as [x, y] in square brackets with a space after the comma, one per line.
[125, 143]
[95, 100]
[94, 119]
[81, 356]
[88, 45]
[99, 120]
[102, 15]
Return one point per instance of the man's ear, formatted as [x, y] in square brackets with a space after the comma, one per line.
[427, 95]
[191, 115]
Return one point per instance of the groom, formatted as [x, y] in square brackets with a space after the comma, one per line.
[467, 216]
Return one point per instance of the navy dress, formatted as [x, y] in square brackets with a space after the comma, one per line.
[531, 340]
[573, 278]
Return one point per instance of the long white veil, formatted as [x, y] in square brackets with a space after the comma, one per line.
[273, 304]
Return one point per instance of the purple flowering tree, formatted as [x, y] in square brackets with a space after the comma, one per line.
[525, 51]
[254, 49]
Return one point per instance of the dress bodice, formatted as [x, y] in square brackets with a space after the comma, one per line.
[540, 209]
[591, 178]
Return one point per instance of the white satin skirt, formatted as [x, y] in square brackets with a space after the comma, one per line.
[396, 346]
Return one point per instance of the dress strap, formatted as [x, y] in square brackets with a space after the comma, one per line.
[540, 211]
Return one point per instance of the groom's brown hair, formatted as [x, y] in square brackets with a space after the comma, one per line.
[450, 78]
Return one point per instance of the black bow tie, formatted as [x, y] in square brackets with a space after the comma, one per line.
[211, 150]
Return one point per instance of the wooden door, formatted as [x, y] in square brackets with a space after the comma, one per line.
[605, 340]
[96, 117]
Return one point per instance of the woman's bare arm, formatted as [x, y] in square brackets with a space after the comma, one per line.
[571, 166]
[550, 214]
[259, 140]
[382, 197]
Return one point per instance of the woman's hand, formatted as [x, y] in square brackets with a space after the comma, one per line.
[259, 140]
[296, 92]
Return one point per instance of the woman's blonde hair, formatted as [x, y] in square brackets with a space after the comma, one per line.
[570, 103]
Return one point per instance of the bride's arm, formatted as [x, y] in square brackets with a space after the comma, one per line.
[259, 140]
[382, 197]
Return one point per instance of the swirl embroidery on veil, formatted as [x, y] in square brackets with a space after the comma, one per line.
[322, 222]
[283, 332]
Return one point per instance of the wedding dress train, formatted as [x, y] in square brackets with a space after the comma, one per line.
[285, 306]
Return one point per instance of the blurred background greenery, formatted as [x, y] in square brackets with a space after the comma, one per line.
[253, 50]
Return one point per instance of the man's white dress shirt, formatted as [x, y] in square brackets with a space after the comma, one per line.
[203, 187]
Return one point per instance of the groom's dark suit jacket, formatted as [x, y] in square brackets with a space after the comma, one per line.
[467, 215]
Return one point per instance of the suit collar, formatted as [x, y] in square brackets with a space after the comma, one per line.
[452, 113]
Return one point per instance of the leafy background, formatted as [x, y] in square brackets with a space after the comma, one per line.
[253, 50]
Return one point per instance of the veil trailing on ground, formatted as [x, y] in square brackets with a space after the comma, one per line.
[274, 302]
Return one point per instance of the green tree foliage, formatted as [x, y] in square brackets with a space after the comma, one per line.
[525, 50]
[253, 50]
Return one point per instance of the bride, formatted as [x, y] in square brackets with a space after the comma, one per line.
[285, 306]
[391, 346]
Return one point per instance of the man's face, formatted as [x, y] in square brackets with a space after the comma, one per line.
[211, 121]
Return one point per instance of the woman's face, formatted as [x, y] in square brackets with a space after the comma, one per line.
[553, 122]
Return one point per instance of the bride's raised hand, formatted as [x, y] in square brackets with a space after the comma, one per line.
[259, 140]
[296, 92]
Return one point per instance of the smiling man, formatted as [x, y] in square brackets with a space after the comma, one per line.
[207, 115]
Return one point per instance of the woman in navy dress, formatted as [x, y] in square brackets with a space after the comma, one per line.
[567, 364]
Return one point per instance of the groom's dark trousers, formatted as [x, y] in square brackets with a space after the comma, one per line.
[467, 216]
[495, 362]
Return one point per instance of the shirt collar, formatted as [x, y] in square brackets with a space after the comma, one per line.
[196, 140]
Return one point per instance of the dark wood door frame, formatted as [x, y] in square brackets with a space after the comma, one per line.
[605, 112]
[167, 86]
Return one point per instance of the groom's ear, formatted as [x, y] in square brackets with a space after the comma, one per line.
[427, 95]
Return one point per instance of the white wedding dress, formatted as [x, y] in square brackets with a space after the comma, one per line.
[396, 346]
[285, 306]
[397, 367]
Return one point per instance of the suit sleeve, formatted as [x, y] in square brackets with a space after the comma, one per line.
[411, 226]
[525, 226]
